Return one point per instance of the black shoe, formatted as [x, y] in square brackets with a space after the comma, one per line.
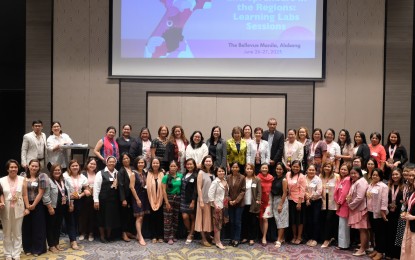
[103, 240]
[235, 244]
[231, 243]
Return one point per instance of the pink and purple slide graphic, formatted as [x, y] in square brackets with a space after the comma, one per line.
[218, 29]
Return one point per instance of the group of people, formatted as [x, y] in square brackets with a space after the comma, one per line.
[322, 190]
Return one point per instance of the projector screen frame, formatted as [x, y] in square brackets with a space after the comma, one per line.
[232, 78]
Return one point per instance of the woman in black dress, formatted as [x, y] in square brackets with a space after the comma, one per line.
[139, 200]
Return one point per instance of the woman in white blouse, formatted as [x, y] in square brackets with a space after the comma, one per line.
[197, 149]
[218, 191]
[333, 149]
[293, 149]
[54, 143]
[258, 150]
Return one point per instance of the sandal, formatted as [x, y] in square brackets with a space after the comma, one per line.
[74, 245]
[293, 240]
[277, 244]
[298, 241]
[189, 239]
[154, 240]
[251, 242]
[313, 243]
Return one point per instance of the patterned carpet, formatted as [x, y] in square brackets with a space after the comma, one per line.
[132, 250]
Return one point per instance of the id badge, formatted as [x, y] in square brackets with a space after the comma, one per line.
[34, 184]
[111, 179]
[63, 200]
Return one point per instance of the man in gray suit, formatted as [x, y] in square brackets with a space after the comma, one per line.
[34, 145]
[276, 142]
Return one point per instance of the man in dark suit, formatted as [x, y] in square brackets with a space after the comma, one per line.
[276, 142]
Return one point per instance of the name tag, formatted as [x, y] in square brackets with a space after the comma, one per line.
[34, 184]
[312, 185]
[178, 179]
[253, 185]
[294, 182]
[375, 154]
[331, 185]
[19, 188]
[340, 186]
[111, 179]
[145, 187]
[192, 180]
[375, 191]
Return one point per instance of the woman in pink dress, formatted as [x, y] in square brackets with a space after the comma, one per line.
[340, 193]
[356, 199]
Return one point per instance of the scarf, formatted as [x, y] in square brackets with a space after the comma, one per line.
[154, 197]
[110, 148]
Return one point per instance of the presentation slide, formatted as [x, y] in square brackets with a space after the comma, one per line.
[218, 38]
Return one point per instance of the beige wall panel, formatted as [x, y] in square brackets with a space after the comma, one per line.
[163, 110]
[299, 111]
[260, 104]
[351, 96]
[199, 112]
[330, 95]
[365, 49]
[203, 111]
[84, 100]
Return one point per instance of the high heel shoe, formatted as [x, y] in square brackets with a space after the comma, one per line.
[220, 246]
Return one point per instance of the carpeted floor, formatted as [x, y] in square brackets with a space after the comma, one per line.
[132, 250]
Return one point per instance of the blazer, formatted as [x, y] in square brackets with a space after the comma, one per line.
[277, 146]
[263, 151]
[358, 195]
[256, 192]
[189, 187]
[364, 152]
[297, 151]
[399, 155]
[340, 193]
[220, 153]
[237, 189]
[29, 148]
[51, 193]
[217, 193]
[123, 182]
[136, 148]
[232, 152]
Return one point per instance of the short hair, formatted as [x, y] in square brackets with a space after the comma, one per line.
[124, 125]
[9, 162]
[141, 157]
[332, 131]
[236, 129]
[377, 134]
[161, 127]
[237, 164]
[272, 119]
[217, 169]
[258, 129]
[292, 129]
[37, 122]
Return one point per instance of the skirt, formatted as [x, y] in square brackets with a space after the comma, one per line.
[281, 219]
[203, 222]
[358, 219]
